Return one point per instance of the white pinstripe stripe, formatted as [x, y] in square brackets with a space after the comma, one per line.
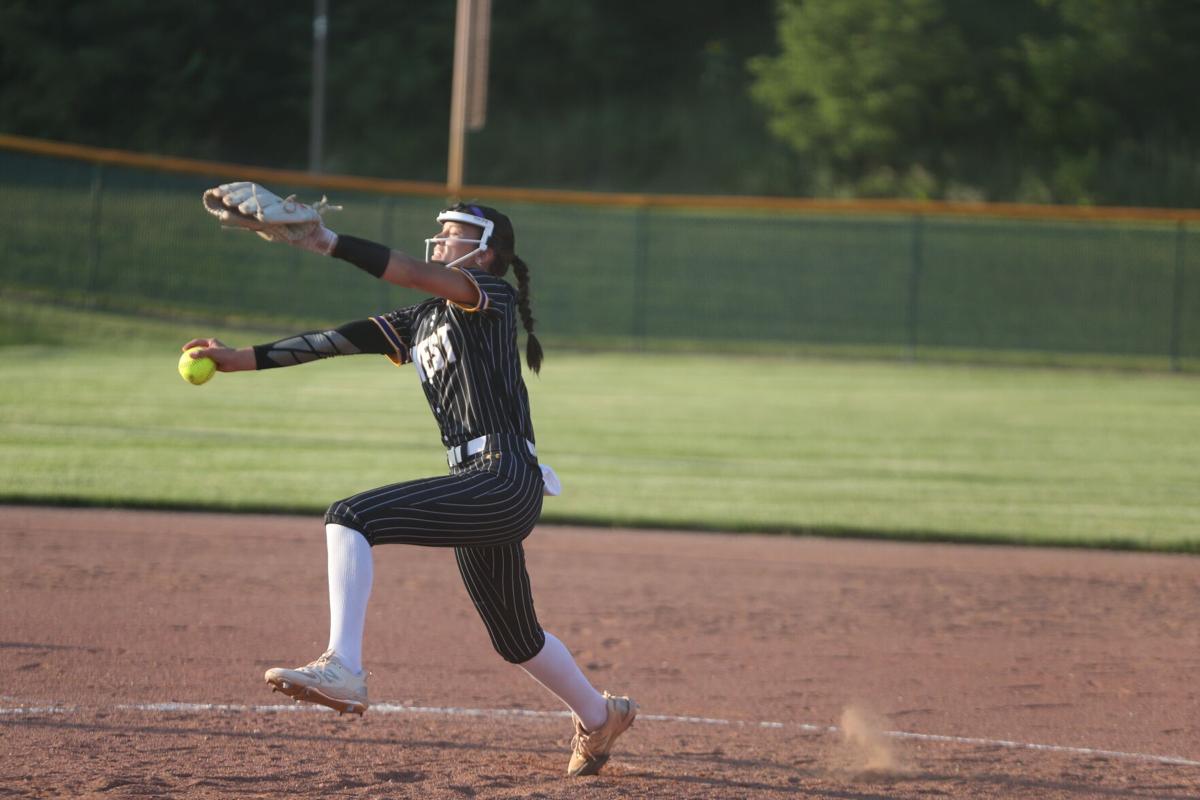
[520, 588]
[493, 355]
[514, 503]
[502, 621]
[391, 493]
[439, 538]
[430, 496]
[391, 490]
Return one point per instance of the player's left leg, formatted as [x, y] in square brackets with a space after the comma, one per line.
[498, 583]
[494, 499]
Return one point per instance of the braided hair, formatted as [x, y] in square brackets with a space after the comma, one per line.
[533, 348]
[504, 244]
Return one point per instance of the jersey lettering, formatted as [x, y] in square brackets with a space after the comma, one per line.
[433, 353]
[468, 363]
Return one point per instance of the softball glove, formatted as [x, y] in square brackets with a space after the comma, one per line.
[247, 205]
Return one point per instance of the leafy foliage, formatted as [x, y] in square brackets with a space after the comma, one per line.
[1047, 100]
[1029, 99]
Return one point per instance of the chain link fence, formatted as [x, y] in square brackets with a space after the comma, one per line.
[919, 284]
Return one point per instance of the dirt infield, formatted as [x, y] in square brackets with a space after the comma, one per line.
[132, 647]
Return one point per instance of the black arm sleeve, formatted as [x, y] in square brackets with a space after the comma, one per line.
[360, 336]
[370, 257]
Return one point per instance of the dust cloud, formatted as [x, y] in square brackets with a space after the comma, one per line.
[864, 747]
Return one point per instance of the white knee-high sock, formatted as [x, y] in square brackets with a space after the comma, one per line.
[554, 668]
[351, 572]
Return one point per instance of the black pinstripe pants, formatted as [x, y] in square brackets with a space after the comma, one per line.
[484, 509]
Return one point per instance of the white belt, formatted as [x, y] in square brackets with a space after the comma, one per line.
[459, 454]
[551, 487]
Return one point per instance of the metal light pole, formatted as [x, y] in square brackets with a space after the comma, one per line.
[316, 122]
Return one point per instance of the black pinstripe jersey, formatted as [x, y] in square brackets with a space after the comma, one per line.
[467, 360]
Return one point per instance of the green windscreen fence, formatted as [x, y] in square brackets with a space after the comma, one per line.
[76, 233]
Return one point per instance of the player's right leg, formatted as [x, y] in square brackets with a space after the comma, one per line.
[497, 581]
[590, 748]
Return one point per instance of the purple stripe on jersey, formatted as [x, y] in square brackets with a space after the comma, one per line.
[484, 300]
[401, 356]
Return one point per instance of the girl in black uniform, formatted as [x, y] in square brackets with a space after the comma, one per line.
[463, 345]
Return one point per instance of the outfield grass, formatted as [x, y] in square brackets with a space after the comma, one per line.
[716, 442]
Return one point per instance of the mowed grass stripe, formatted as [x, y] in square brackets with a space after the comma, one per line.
[717, 442]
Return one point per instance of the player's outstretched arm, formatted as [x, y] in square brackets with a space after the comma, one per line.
[352, 338]
[247, 205]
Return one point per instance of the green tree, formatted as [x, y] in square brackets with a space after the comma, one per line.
[881, 91]
[858, 78]
[1111, 86]
[619, 94]
[171, 76]
[1065, 100]
[1029, 99]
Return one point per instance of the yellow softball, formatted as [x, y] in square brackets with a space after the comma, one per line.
[196, 370]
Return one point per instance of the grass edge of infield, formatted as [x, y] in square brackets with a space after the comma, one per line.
[904, 535]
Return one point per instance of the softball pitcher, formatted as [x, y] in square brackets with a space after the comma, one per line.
[462, 343]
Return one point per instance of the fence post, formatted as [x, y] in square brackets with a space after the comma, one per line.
[640, 234]
[914, 284]
[92, 269]
[1177, 293]
[385, 237]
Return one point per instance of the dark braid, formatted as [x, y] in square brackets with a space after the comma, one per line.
[533, 348]
[504, 245]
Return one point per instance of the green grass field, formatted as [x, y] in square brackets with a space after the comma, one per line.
[94, 412]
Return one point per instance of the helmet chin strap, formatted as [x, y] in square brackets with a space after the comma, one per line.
[431, 243]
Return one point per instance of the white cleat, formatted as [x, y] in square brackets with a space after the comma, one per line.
[327, 681]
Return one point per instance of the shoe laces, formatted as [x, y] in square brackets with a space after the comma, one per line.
[582, 741]
[323, 660]
[323, 205]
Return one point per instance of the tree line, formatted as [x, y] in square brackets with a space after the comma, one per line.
[1068, 101]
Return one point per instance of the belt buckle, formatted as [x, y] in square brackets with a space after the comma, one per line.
[458, 454]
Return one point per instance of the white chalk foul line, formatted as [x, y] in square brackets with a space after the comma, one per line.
[36, 710]
[451, 711]
[1052, 748]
